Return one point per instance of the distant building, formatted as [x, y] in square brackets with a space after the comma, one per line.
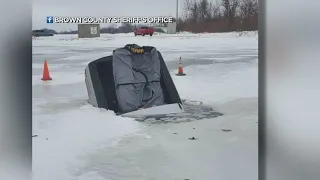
[169, 28]
[88, 30]
[172, 28]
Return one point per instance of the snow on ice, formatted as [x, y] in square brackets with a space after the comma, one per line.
[77, 141]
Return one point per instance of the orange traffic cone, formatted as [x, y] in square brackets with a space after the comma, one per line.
[180, 69]
[46, 74]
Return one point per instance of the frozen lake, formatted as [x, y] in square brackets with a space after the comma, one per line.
[78, 141]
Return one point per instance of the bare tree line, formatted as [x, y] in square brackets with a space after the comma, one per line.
[205, 16]
[224, 16]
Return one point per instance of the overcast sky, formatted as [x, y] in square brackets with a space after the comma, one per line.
[96, 8]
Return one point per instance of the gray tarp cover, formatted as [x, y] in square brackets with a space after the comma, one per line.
[132, 72]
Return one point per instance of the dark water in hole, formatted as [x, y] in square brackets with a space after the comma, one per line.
[193, 111]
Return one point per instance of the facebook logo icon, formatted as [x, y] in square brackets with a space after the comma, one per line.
[50, 19]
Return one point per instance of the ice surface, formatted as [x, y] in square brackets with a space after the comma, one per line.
[63, 137]
[78, 141]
